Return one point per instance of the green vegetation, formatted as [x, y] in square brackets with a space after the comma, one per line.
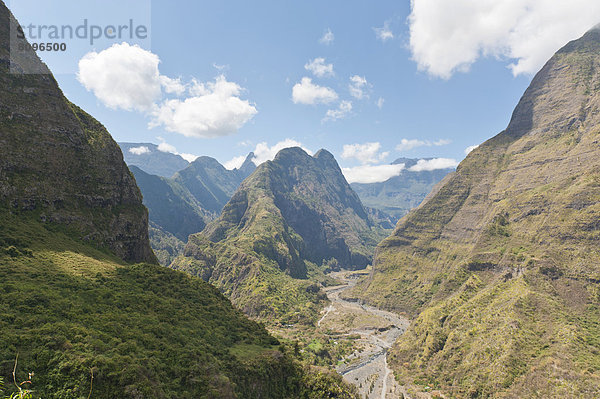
[143, 329]
[500, 267]
[291, 220]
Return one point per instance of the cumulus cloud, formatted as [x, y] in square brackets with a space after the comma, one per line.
[139, 150]
[380, 102]
[263, 152]
[127, 77]
[319, 68]
[357, 87]
[122, 76]
[172, 85]
[214, 109]
[327, 38]
[166, 147]
[384, 33]
[372, 173]
[409, 144]
[365, 153]
[448, 37]
[342, 111]
[433, 164]
[306, 92]
[470, 148]
[235, 162]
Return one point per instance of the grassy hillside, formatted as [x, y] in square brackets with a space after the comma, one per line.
[143, 330]
[500, 267]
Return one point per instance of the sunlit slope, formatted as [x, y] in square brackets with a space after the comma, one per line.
[501, 266]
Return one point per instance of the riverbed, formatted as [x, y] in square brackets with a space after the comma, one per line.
[367, 367]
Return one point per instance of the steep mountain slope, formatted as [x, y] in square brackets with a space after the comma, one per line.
[72, 310]
[151, 160]
[61, 165]
[210, 183]
[182, 205]
[399, 194]
[291, 215]
[501, 263]
[173, 212]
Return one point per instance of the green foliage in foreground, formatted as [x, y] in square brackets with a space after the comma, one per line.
[143, 330]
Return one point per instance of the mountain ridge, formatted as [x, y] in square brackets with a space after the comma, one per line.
[290, 220]
[499, 265]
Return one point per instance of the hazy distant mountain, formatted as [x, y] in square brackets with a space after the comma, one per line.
[291, 216]
[183, 204]
[500, 266]
[148, 158]
[210, 183]
[399, 194]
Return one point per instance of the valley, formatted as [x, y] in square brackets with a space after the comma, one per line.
[377, 329]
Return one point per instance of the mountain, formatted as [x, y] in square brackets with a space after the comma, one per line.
[60, 166]
[210, 183]
[79, 307]
[399, 194]
[284, 225]
[500, 265]
[182, 205]
[150, 159]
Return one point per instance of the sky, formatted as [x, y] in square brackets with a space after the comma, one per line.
[370, 81]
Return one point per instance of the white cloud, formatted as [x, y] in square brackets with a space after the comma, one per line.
[449, 36]
[433, 164]
[357, 87]
[470, 148]
[127, 77]
[409, 144]
[380, 102]
[213, 110]
[122, 76]
[384, 33]
[166, 147]
[372, 173]
[327, 38]
[263, 152]
[307, 92]
[235, 162]
[319, 68]
[188, 157]
[139, 150]
[342, 111]
[365, 153]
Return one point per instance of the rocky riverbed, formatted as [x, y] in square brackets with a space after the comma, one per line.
[375, 329]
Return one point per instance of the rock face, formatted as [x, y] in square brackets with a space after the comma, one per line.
[60, 165]
[291, 214]
[151, 160]
[399, 194]
[500, 265]
[183, 204]
[210, 183]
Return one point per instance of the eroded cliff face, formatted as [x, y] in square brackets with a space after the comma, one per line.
[60, 165]
[292, 216]
[501, 263]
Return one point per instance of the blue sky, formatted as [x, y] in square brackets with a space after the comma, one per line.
[429, 80]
